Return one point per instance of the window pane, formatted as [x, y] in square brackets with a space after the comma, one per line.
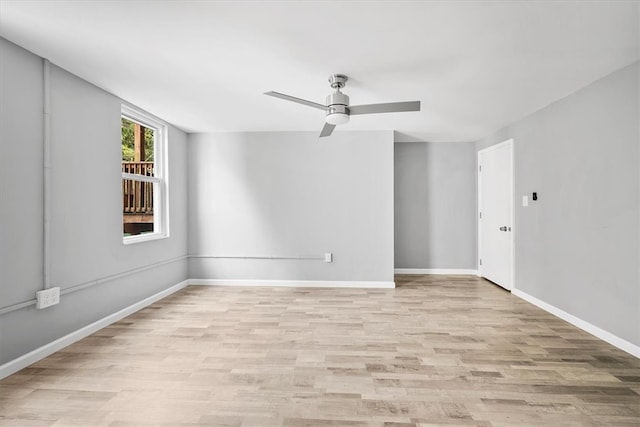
[131, 151]
[137, 158]
[137, 212]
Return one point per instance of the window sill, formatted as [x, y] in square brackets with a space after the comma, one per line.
[130, 240]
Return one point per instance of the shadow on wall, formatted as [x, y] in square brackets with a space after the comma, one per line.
[412, 243]
[435, 205]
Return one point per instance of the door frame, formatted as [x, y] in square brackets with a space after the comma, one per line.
[510, 143]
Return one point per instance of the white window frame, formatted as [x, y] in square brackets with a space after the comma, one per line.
[160, 178]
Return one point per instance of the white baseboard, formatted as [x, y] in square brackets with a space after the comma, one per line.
[50, 348]
[582, 324]
[294, 283]
[448, 271]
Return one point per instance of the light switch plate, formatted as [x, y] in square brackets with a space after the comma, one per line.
[525, 201]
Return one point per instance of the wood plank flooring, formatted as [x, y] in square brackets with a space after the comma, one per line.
[435, 351]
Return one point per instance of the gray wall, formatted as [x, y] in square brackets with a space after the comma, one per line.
[577, 246]
[291, 193]
[435, 207]
[86, 203]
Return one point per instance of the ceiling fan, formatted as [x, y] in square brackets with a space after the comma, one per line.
[337, 105]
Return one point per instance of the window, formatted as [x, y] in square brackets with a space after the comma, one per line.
[144, 187]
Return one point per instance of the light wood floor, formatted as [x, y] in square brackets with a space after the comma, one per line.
[438, 350]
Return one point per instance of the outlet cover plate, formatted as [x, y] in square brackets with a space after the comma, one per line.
[47, 298]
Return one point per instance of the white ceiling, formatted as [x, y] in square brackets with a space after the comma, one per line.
[203, 65]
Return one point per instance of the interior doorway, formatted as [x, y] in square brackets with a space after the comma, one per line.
[495, 214]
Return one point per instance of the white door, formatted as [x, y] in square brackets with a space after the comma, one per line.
[495, 216]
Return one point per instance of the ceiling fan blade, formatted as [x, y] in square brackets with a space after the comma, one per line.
[389, 107]
[298, 100]
[327, 129]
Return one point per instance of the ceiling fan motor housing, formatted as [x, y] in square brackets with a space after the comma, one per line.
[338, 111]
[337, 99]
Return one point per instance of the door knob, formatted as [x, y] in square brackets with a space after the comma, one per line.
[504, 228]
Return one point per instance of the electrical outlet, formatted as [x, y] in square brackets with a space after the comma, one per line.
[47, 298]
[328, 257]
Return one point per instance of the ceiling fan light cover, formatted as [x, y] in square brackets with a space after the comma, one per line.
[337, 118]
